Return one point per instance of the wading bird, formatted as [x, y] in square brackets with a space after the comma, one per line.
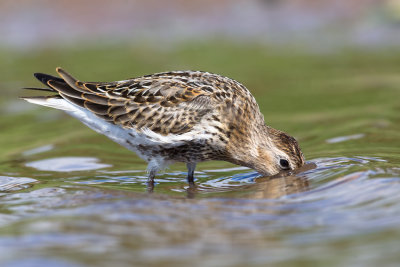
[177, 116]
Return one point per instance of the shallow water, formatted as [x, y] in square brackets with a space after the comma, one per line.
[84, 211]
[334, 212]
[70, 197]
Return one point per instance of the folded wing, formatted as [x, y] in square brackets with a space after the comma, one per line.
[166, 103]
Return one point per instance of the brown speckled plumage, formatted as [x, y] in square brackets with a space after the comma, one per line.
[185, 116]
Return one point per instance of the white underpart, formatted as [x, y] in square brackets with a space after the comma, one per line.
[129, 138]
[50, 102]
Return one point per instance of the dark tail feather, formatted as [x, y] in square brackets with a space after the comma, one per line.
[65, 89]
[39, 89]
[44, 78]
[61, 88]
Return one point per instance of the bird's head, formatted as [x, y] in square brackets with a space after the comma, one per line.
[277, 152]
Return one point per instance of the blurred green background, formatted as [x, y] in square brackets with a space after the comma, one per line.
[312, 96]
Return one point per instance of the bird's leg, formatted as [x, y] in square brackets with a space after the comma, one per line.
[191, 190]
[153, 167]
[150, 180]
[190, 178]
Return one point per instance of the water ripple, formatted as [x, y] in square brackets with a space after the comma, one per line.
[232, 212]
[67, 164]
[15, 183]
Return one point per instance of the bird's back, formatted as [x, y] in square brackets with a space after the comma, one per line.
[180, 113]
[166, 103]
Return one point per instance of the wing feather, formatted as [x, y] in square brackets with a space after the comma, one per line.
[170, 102]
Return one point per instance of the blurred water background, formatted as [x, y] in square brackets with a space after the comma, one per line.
[326, 72]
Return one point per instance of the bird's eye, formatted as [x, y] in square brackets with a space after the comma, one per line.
[284, 164]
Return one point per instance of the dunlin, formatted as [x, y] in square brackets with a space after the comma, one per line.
[177, 116]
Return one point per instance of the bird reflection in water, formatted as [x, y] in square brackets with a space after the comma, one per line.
[271, 187]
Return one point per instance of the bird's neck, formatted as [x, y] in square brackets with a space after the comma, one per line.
[251, 149]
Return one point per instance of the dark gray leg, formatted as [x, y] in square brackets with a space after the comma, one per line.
[150, 181]
[190, 177]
